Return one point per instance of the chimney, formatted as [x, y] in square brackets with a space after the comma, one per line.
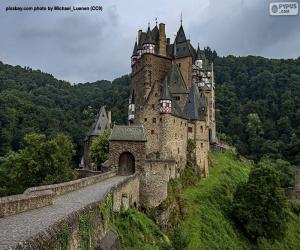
[139, 36]
[162, 40]
[109, 118]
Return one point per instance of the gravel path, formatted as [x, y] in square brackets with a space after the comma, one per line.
[19, 227]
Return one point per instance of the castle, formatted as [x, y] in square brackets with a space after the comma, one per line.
[171, 100]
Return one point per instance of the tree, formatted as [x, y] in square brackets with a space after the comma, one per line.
[42, 161]
[100, 148]
[259, 206]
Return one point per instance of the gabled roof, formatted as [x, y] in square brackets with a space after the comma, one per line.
[175, 80]
[128, 133]
[195, 107]
[101, 123]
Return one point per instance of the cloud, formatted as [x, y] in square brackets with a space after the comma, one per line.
[90, 46]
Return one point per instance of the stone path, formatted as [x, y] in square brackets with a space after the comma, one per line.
[19, 227]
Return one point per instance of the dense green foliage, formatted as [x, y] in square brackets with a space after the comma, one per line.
[208, 223]
[36, 102]
[42, 161]
[259, 206]
[258, 105]
[137, 231]
[100, 148]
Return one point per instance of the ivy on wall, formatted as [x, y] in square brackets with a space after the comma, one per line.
[63, 238]
[87, 231]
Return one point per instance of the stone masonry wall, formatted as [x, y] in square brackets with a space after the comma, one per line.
[127, 193]
[70, 186]
[202, 146]
[137, 149]
[15, 204]
[154, 179]
[174, 140]
[89, 225]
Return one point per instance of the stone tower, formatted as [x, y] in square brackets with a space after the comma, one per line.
[102, 122]
[172, 96]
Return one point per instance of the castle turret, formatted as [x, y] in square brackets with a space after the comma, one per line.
[165, 100]
[131, 108]
[200, 57]
[148, 44]
[134, 56]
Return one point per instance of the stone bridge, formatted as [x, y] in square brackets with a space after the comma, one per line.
[38, 218]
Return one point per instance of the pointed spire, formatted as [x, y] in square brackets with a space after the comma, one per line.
[134, 53]
[156, 21]
[181, 18]
[180, 35]
[148, 38]
[194, 108]
[200, 54]
[165, 92]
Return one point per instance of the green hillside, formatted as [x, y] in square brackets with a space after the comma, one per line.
[208, 224]
[35, 102]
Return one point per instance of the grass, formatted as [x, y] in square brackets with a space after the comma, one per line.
[208, 224]
[137, 231]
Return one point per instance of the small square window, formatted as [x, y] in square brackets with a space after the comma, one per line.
[152, 132]
[154, 120]
[190, 129]
[145, 119]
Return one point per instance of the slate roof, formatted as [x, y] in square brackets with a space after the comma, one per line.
[148, 38]
[141, 40]
[195, 107]
[165, 92]
[180, 37]
[175, 80]
[200, 54]
[128, 133]
[101, 123]
[155, 34]
[134, 52]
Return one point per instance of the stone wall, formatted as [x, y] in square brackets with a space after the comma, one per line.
[70, 186]
[90, 225]
[126, 194]
[202, 146]
[83, 173]
[154, 179]
[174, 140]
[15, 204]
[137, 149]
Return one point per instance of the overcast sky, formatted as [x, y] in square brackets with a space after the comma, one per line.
[90, 46]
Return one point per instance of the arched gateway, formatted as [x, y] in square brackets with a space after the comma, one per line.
[127, 149]
[126, 164]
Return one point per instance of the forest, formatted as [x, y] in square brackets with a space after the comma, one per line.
[257, 108]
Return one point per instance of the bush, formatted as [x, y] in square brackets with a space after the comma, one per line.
[100, 148]
[259, 206]
[41, 162]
